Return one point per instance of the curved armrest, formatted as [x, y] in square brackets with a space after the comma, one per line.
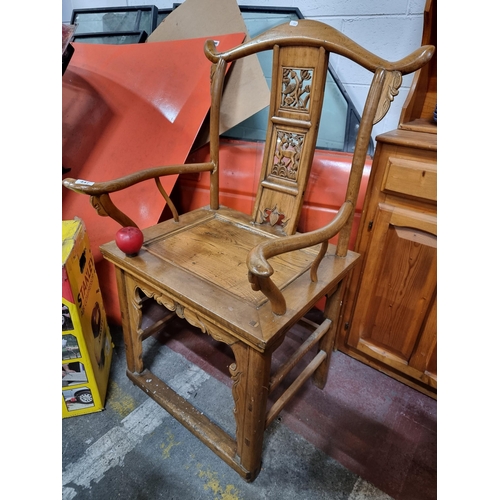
[99, 191]
[98, 188]
[260, 270]
[257, 260]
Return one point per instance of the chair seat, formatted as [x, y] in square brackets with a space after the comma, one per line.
[213, 245]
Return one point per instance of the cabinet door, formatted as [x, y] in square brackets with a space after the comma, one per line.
[424, 357]
[394, 317]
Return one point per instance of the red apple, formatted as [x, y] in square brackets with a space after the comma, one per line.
[129, 240]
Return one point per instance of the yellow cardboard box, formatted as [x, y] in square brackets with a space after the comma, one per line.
[86, 341]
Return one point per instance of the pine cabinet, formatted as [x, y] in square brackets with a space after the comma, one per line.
[389, 318]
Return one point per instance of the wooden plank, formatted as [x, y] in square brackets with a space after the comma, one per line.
[410, 139]
[196, 422]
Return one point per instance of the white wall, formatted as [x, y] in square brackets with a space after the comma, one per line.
[389, 28]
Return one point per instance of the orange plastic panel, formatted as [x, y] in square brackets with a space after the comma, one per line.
[127, 108]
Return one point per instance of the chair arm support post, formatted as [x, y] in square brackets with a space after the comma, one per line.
[218, 72]
[360, 151]
[166, 197]
[317, 261]
[271, 291]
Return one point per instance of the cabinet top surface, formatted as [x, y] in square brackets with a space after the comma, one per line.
[410, 138]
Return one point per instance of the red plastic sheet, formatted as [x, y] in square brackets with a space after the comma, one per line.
[128, 108]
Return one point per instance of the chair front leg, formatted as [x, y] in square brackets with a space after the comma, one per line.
[131, 319]
[251, 375]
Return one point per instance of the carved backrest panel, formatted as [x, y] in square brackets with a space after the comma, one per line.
[299, 75]
[300, 62]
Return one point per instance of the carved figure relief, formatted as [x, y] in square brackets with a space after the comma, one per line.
[295, 92]
[287, 155]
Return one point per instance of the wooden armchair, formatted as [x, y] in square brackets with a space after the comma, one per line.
[247, 279]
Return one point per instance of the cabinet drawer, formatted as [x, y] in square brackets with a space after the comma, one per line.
[412, 178]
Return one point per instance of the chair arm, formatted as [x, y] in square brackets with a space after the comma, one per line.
[260, 270]
[99, 191]
[257, 260]
[98, 188]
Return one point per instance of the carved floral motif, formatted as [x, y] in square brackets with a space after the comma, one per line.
[273, 217]
[163, 300]
[190, 316]
[295, 93]
[236, 378]
[392, 83]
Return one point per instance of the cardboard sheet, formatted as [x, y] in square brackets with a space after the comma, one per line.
[246, 90]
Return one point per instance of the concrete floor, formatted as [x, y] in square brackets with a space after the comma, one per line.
[135, 450]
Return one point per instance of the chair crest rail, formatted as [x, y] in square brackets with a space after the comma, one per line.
[313, 34]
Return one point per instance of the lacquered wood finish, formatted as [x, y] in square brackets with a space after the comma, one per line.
[247, 279]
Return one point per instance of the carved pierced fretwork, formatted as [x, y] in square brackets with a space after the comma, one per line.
[167, 302]
[137, 305]
[287, 155]
[273, 217]
[392, 83]
[190, 316]
[295, 91]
